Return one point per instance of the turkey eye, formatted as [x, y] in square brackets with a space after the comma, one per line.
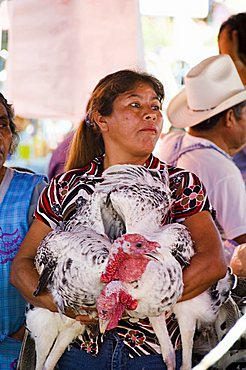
[139, 245]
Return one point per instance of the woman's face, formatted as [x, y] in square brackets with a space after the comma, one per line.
[133, 128]
[5, 135]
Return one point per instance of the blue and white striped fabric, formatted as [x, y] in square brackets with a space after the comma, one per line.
[16, 193]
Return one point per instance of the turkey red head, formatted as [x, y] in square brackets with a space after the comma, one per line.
[111, 304]
[128, 258]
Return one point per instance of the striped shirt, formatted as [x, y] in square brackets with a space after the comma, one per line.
[66, 193]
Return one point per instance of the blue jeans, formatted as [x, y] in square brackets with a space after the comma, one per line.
[113, 355]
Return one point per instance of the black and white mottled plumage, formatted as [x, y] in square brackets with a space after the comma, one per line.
[71, 258]
[134, 199]
[70, 265]
[141, 197]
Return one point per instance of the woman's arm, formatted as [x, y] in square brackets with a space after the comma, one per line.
[23, 273]
[25, 277]
[208, 264]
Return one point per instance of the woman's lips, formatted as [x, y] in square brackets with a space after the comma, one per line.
[149, 128]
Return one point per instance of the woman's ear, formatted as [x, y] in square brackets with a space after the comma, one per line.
[101, 121]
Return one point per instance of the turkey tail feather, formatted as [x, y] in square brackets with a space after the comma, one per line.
[43, 281]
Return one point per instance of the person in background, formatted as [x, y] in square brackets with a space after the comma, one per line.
[122, 125]
[212, 107]
[19, 193]
[59, 157]
[232, 41]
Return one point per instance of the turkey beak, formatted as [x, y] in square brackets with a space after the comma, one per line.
[155, 255]
[103, 324]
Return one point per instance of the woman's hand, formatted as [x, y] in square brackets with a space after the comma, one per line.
[238, 260]
[90, 319]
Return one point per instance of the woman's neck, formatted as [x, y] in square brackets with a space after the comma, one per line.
[110, 161]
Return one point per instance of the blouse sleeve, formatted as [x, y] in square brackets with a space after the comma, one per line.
[35, 196]
[49, 205]
[189, 195]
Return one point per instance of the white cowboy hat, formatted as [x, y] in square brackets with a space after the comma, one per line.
[211, 87]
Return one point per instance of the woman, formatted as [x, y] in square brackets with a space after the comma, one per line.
[122, 125]
[19, 192]
[232, 41]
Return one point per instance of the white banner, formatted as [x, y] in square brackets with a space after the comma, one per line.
[59, 49]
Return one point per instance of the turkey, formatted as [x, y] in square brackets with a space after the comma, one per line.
[162, 279]
[134, 272]
[65, 262]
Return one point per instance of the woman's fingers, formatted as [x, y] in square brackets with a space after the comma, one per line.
[88, 309]
[86, 320]
[90, 319]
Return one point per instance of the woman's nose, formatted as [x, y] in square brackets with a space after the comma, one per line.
[150, 116]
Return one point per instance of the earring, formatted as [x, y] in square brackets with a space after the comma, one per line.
[88, 122]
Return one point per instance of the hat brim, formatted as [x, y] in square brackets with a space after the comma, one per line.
[181, 116]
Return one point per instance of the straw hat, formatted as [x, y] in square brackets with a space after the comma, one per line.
[211, 87]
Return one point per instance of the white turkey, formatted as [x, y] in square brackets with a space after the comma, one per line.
[161, 278]
[153, 280]
[65, 262]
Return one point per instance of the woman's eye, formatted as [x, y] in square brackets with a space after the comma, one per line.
[4, 122]
[135, 105]
[156, 107]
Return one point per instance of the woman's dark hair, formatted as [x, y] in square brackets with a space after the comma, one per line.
[10, 113]
[88, 142]
[237, 22]
[211, 122]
